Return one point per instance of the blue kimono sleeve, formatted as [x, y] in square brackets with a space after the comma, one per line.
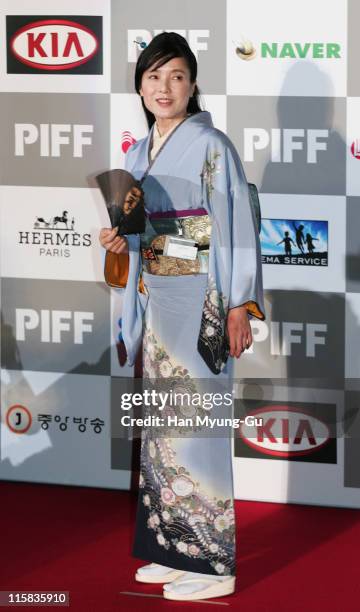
[134, 301]
[239, 251]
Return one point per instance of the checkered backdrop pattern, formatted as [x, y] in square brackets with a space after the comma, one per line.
[282, 80]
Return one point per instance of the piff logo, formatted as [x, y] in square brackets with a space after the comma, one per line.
[126, 141]
[56, 44]
[355, 148]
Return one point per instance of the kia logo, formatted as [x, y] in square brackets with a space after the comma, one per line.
[285, 432]
[54, 44]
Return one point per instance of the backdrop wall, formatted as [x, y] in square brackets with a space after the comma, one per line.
[282, 80]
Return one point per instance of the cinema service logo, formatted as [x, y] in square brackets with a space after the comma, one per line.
[294, 242]
[54, 45]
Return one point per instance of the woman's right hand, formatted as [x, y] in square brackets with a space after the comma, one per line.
[111, 242]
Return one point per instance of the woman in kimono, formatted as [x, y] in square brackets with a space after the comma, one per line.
[191, 314]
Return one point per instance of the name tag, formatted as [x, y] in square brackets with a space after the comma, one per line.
[180, 247]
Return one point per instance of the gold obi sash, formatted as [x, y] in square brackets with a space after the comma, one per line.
[188, 224]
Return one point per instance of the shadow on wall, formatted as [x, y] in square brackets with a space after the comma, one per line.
[302, 347]
[325, 174]
[54, 395]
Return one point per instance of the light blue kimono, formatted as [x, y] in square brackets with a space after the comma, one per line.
[198, 167]
[185, 514]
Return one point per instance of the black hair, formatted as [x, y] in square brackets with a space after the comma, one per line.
[163, 48]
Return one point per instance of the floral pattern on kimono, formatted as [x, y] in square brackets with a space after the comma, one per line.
[180, 513]
[158, 365]
[209, 170]
[213, 343]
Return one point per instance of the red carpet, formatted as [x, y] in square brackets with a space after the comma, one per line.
[290, 558]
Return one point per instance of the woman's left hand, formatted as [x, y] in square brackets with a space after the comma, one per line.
[239, 330]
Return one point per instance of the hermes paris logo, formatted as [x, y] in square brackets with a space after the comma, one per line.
[55, 236]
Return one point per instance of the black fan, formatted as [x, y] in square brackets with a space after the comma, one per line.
[124, 200]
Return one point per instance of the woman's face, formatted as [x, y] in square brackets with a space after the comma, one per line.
[166, 90]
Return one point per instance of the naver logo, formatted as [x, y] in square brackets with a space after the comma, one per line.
[246, 50]
[298, 50]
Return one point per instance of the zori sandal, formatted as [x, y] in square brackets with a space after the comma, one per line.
[155, 573]
[194, 586]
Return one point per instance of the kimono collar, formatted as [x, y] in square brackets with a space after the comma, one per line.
[158, 139]
[186, 131]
